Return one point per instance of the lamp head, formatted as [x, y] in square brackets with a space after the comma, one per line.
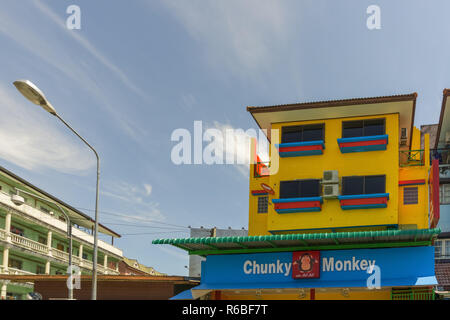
[30, 91]
[17, 200]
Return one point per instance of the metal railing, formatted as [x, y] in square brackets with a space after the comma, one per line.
[413, 294]
[409, 158]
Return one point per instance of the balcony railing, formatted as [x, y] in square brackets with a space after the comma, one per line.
[19, 272]
[55, 253]
[58, 254]
[28, 243]
[409, 158]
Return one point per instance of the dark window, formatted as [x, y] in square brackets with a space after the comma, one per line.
[44, 209]
[410, 195]
[14, 263]
[300, 188]
[363, 185]
[262, 204]
[311, 132]
[363, 128]
[352, 185]
[40, 269]
[374, 184]
[42, 240]
[17, 231]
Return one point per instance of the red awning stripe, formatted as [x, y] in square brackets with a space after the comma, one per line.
[363, 143]
[411, 182]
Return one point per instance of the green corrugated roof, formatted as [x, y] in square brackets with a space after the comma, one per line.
[284, 242]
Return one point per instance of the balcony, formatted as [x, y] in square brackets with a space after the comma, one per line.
[411, 158]
[292, 205]
[363, 144]
[28, 244]
[31, 212]
[34, 246]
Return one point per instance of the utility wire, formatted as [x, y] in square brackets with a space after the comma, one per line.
[133, 218]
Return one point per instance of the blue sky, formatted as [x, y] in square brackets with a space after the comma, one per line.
[137, 70]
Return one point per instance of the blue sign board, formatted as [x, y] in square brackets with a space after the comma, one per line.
[338, 268]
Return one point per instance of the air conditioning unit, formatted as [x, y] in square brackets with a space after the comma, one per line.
[330, 176]
[330, 190]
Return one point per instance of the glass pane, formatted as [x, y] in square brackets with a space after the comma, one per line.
[375, 184]
[313, 132]
[352, 185]
[289, 189]
[374, 127]
[352, 129]
[310, 188]
[291, 134]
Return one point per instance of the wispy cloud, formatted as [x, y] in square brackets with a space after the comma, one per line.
[137, 197]
[86, 44]
[242, 35]
[54, 48]
[29, 139]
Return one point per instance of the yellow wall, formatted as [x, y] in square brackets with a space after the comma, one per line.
[347, 164]
[415, 216]
[354, 294]
[385, 162]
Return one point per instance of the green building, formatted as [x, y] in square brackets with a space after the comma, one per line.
[33, 237]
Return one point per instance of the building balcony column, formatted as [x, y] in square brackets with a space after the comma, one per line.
[47, 267]
[3, 291]
[5, 260]
[8, 226]
[105, 263]
[49, 242]
[80, 255]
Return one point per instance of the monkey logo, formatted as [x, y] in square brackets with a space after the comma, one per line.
[305, 262]
[306, 265]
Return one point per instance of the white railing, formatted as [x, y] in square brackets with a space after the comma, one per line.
[19, 272]
[58, 254]
[28, 243]
[62, 226]
[87, 264]
[55, 253]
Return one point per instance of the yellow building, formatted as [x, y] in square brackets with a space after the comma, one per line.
[365, 146]
[345, 208]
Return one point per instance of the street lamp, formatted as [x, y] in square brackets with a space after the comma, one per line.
[18, 201]
[30, 91]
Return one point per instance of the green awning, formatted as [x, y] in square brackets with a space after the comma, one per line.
[305, 241]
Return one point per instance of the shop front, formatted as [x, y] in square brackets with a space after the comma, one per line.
[275, 267]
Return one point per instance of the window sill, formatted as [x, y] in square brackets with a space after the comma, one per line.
[299, 149]
[363, 144]
[364, 201]
[292, 205]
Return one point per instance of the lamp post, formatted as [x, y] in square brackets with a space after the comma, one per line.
[18, 201]
[36, 96]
